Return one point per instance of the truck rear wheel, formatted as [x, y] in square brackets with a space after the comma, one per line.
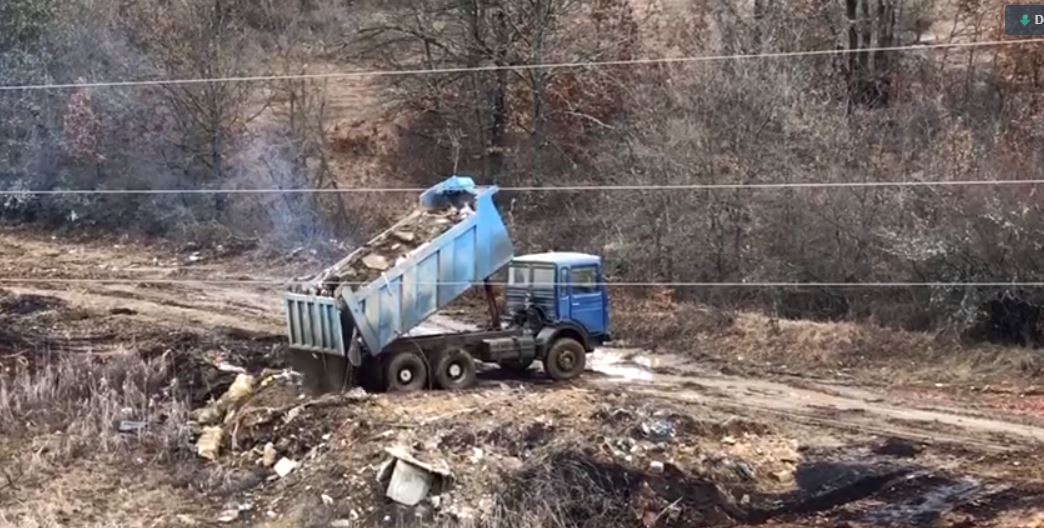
[565, 360]
[454, 369]
[405, 371]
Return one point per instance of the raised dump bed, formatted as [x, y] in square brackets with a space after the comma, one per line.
[456, 238]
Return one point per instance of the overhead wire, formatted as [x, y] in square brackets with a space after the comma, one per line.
[639, 284]
[515, 67]
[537, 188]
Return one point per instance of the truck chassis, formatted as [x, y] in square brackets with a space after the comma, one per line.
[448, 361]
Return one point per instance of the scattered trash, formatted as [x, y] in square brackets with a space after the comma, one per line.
[285, 466]
[409, 484]
[186, 520]
[621, 447]
[729, 440]
[268, 456]
[131, 426]
[656, 467]
[661, 429]
[293, 413]
[228, 367]
[341, 523]
[327, 500]
[411, 480]
[228, 516]
[231, 512]
[209, 444]
[744, 470]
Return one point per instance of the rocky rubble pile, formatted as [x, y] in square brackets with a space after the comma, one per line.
[387, 250]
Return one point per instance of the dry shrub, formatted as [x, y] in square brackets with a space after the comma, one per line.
[896, 355]
[87, 397]
[659, 321]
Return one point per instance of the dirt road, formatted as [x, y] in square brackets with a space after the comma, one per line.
[257, 308]
[820, 403]
[974, 454]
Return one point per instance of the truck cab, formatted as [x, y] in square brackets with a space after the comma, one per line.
[561, 291]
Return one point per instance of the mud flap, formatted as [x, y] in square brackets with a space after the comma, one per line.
[322, 373]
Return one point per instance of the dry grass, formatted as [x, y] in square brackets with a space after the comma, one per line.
[866, 349]
[60, 438]
[87, 397]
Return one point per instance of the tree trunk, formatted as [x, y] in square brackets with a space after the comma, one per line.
[498, 125]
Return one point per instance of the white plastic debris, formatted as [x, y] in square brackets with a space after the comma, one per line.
[411, 479]
[268, 456]
[285, 466]
[409, 483]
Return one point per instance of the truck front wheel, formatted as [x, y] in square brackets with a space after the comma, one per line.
[405, 371]
[454, 369]
[565, 360]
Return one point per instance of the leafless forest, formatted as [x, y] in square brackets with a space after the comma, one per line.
[951, 114]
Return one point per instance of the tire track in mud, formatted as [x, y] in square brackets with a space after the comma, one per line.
[836, 407]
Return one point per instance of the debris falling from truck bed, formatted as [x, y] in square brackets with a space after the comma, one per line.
[387, 250]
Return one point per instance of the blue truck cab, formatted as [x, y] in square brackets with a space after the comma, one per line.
[565, 291]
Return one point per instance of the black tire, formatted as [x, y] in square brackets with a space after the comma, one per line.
[371, 374]
[517, 366]
[405, 372]
[566, 359]
[454, 369]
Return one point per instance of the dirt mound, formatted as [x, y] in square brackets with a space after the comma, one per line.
[573, 488]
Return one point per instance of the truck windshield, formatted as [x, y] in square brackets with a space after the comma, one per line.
[536, 276]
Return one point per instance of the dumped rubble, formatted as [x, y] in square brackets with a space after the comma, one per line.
[269, 454]
[214, 416]
[410, 479]
[284, 467]
[240, 390]
[208, 445]
[387, 250]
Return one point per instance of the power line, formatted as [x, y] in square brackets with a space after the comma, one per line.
[559, 188]
[520, 67]
[665, 284]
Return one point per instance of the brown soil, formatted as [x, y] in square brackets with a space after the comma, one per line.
[641, 440]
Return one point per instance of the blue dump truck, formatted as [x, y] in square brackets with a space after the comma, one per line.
[355, 322]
